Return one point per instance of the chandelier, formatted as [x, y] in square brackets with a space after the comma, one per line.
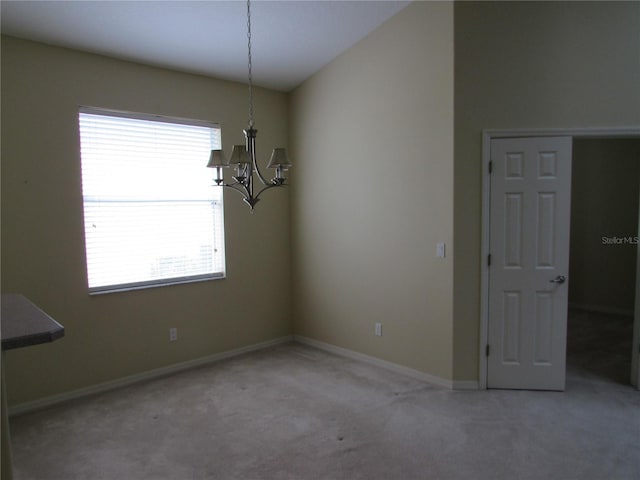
[243, 157]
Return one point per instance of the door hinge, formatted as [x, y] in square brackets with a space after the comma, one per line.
[487, 350]
[489, 260]
[490, 167]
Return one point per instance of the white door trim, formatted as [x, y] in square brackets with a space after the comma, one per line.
[487, 136]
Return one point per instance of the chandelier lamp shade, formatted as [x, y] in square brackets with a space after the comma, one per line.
[244, 158]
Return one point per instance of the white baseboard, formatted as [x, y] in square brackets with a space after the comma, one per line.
[410, 372]
[466, 385]
[602, 309]
[45, 402]
[50, 401]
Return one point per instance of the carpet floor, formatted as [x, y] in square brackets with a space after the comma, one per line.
[294, 412]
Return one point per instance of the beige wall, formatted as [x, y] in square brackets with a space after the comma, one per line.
[529, 65]
[372, 138]
[119, 334]
[604, 203]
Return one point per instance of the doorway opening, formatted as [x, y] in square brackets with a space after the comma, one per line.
[603, 255]
[621, 342]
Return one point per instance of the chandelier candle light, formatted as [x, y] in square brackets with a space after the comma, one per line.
[243, 157]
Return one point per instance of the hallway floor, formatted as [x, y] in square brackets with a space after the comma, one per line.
[599, 345]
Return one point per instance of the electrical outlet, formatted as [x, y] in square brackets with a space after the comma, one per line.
[378, 330]
[173, 334]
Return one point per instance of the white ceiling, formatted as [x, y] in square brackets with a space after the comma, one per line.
[291, 40]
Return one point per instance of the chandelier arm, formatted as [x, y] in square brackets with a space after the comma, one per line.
[234, 186]
[272, 185]
[250, 135]
[257, 169]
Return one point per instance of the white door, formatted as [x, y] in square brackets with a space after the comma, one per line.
[529, 262]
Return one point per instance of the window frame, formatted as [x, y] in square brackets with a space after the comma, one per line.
[159, 282]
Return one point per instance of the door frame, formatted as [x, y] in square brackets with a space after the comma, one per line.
[487, 136]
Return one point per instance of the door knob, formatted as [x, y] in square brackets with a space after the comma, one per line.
[558, 279]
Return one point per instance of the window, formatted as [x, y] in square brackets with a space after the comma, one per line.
[151, 216]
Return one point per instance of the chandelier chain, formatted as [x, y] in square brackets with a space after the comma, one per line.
[243, 157]
[249, 65]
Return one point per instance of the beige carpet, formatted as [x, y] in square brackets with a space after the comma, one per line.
[294, 412]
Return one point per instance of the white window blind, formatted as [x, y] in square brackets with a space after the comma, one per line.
[151, 215]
